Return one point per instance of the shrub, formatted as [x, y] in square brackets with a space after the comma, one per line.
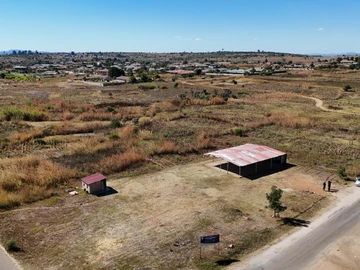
[26, 115]
[176, 85]
[110, 109]
[238, 132]
[341, 172]
[347, 88]
[114, 136]
[147, 86]
[226, 93]
[115, 123]
[12, 246]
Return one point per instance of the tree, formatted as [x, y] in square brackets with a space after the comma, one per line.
[347, 88]
[274, 201]
[132, 79]
[198, 71]
[115, 72]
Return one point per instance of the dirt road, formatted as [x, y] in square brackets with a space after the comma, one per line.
[310, 247]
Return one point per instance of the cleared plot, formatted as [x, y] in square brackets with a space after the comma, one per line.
[155, 220]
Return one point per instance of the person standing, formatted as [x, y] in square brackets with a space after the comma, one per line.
[329, 185]
[324, 185]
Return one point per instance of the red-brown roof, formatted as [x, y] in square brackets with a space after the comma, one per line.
[246, 154]
[97, 177]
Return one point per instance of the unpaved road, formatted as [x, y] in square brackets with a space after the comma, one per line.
[320, 104]
[6, 262]
[313, 247]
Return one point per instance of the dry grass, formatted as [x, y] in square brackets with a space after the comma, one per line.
[29, 178]
[203, 141]
[27, 136]
[118, 163]
[167, 147]
[282, 119]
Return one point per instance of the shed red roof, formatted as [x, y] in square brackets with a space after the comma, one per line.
[246, 154]
[97, 177]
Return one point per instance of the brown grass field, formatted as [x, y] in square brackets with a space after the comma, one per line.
[150, 143]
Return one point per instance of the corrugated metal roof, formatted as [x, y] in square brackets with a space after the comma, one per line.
[246, 154]
[97, 177]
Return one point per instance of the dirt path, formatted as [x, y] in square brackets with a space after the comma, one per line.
[320, 104]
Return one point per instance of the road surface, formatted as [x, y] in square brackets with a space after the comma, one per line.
[6, 262]
[301, 249]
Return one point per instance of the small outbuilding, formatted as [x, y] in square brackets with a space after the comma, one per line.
[94, 184]
[249, 159]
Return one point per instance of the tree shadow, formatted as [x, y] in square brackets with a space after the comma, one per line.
[109, 191]
[226, 262]
[295, 222]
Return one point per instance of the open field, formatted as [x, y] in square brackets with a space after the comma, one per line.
[149, 139]
[155, 220]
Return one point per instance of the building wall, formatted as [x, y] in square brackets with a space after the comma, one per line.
[254, 168]
[95, 187]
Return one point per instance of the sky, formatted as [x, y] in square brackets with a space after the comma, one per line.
[293, 26]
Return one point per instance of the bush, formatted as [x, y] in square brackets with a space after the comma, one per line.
[147, 86]
[109, 108]
[26, 115]
[176, 85]
[115, 123]
[238, 132]
[114, 136]
[347, 88]
[12, 246]
[341, 172]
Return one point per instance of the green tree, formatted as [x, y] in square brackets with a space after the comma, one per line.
[198, 71]
[347, 88]
[274, 201]
[133, 79]
[115, 72]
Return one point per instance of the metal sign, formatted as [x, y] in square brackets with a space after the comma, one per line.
[210, 240]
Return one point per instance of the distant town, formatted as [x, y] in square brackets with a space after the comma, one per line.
[104, 69]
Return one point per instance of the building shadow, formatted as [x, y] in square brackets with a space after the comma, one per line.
[226, 262]
[295, 222]
[109, 191]
[284, 167]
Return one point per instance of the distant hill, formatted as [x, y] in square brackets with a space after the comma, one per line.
[335, 54]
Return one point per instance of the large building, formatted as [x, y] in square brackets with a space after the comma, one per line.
[94, 184]
[249, 159]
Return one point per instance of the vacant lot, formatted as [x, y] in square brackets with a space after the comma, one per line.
[155, 220]
[149, 141]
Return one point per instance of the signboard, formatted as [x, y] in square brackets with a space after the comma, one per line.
[210, 240]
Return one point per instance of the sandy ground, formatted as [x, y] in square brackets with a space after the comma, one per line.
[155, 220]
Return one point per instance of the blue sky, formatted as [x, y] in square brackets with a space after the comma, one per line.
[297, 26]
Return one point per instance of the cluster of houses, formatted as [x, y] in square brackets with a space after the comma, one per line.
[95, 69]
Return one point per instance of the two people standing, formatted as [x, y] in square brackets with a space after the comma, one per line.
[328, 183]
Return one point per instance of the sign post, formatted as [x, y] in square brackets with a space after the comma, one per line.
[209, 240]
